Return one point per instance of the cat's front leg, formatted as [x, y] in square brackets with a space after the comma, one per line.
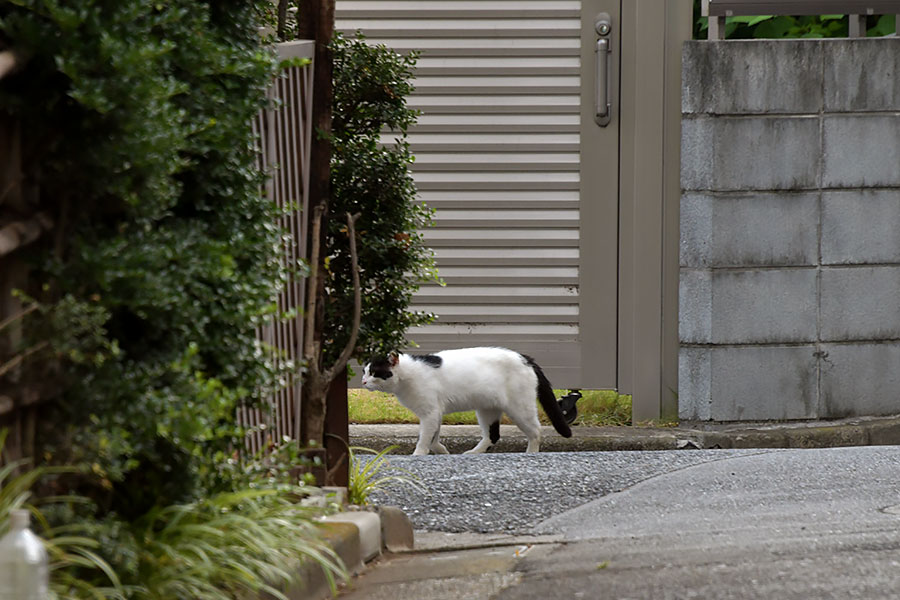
[429, 433]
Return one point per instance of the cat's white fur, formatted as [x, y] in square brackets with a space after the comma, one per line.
[490, 381]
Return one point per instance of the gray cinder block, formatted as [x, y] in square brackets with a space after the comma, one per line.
[763, 306]
[759, 383]
[861, 74]
[695, 306]
[694, 377]
[860, 227]
[860, 379]
[765, 153]
[861, 151]
[752, 77]
[861, 303]
[747, 306]
[738, 230]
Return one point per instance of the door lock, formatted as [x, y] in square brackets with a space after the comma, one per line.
[602, 24]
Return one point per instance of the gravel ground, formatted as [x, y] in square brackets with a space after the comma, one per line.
[512, 493]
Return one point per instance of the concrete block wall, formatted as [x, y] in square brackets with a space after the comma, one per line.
[790, 229]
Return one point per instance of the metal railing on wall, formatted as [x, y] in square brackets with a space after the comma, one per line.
[284, 134]
[858, 10]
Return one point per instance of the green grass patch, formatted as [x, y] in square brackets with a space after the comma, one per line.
[597, 407]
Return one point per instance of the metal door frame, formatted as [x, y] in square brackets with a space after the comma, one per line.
[598, 270]
[650, 189]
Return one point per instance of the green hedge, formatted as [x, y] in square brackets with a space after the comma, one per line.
[371, 87]
[136, 118]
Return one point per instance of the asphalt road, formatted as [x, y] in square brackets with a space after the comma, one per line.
[785, 524]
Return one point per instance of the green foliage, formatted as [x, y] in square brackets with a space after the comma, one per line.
[275, 465]
[770, 26]
[596, 407]
[69, 330]
[375, 474]
[371, 84]
[221, 547]
[229, 545]
[137, 118]
[226, 545]
[164, 260]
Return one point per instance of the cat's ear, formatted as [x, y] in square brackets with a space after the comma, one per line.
[394, 358]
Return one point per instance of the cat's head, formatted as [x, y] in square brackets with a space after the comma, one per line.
[378, 374]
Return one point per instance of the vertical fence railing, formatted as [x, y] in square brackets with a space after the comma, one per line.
[19, 405]
[284, 134]
[857, 10]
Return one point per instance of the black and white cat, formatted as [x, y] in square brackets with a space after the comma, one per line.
[490, 381]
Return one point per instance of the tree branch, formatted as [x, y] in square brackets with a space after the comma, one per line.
[10, 186]
[19, 233]
[310, 352]
[21, 315]
[8, 63]
[17, 360]
[347, 352]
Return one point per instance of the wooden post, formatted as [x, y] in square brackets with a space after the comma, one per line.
[316, 22]
[337, 432]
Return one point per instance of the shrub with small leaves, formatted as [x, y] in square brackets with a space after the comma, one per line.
[371, 86]
[136, 131]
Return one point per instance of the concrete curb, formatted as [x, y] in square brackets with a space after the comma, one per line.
[357, 537]
[868, 431]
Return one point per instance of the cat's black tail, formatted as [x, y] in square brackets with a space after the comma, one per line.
[548, 400]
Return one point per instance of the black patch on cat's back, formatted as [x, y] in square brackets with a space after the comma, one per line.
[380, 367]
[432, 360]
[529, 361]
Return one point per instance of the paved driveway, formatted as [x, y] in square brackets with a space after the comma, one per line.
[783, 524]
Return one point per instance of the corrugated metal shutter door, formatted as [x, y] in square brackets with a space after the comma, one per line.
[497, 155]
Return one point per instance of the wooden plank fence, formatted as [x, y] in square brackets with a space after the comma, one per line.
[18, 198]
[284, 132]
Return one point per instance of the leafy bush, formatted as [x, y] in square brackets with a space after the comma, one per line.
[138, 135]
[371, 84]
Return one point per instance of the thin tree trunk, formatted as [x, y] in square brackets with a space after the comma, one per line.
[282, 19]
[316, 22]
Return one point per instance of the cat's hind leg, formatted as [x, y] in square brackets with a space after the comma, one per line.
[523, 412]
[489, 421]
[532, 430]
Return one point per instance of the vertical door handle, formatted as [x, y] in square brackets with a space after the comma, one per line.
[602, 111]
